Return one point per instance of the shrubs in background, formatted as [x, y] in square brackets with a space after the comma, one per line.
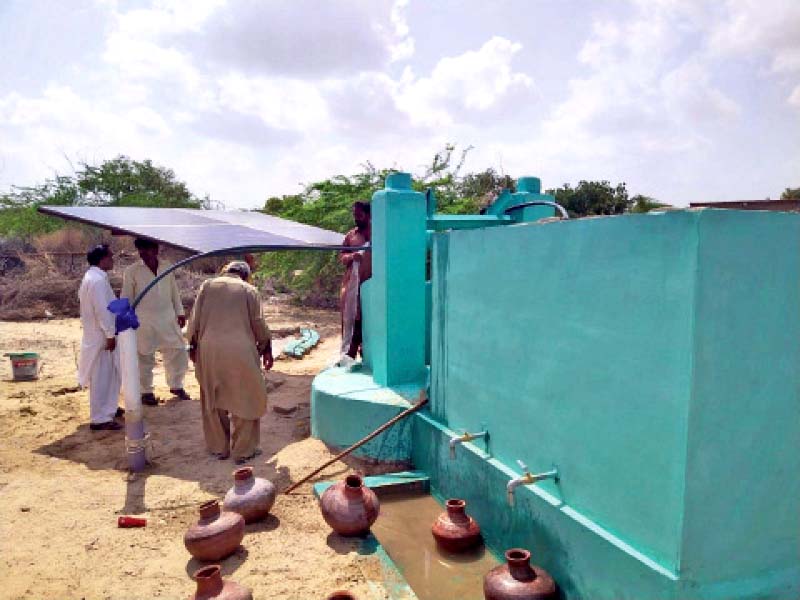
[311, 277]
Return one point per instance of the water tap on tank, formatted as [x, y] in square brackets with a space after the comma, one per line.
[465, 437]
[527, 478]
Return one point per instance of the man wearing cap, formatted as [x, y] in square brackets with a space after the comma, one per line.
[161, 317]
[227, 335]
[98, 366]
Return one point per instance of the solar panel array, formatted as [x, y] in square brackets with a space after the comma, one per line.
[201, 231]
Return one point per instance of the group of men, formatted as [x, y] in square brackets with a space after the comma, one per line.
[227, 336]
[228, 339]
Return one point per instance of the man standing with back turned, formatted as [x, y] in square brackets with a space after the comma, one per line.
[227, 335]
[98, 367]
[161, 318]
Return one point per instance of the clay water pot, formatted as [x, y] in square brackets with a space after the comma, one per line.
[518, 580]
[341, 595]
[349, 507]
[211, 586]
[454, 530]
[216, 535]
[251, 497]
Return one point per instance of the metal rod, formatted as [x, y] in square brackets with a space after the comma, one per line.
[423, 400]
[558, 207]
[239, 250]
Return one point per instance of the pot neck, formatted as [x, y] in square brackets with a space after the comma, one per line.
[243, 477]
[353, 486]
[519, 565]
[209, 582]
[209, 510]
[456, 510]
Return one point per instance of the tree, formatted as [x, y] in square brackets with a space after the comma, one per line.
[314, 276]
[791, 194]
[126, 182]
[121, 181]
[18, 215]
[644, 204]
[593, 198]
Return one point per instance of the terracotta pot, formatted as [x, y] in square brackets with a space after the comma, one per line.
[341, 595]
[518, 580]
[216, 535]
[349, 507]
[454, 530]
[211, 586]
[251, 497]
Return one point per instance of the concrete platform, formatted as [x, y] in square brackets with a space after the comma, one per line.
[347, 405]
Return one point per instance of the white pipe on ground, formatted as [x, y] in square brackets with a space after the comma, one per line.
[134, 418]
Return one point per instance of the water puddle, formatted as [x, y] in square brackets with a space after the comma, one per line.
[404, 531]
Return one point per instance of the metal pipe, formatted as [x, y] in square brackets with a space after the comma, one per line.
[239, 250]
[558, 207]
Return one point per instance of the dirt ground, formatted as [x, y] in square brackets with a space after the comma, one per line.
[62, 486]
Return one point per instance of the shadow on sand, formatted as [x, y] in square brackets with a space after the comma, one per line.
[178, 449]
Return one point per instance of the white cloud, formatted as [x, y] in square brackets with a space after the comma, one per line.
[244, 98]
[302, 38]
[794, 98]
[474, 81]
[403, 48]
[762, 29]
[281, 103]
[691, 97]
[644, 94]
[365, 107]
[40, 135]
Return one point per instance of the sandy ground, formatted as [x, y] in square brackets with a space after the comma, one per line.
[62, 486]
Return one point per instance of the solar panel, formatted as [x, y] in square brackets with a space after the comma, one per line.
[202, 231]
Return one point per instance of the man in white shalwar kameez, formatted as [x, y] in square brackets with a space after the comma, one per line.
[98, 366]
[161, 317]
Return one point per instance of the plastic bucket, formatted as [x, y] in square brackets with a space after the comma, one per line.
[24, 365]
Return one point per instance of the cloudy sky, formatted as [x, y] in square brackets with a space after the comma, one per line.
[683, 100]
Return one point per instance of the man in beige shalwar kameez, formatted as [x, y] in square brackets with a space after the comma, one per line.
[227, 335]
[161, 317]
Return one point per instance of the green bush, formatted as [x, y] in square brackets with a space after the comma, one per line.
[118, 182]
[314, 277]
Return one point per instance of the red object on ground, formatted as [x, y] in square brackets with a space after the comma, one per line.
[126, 521]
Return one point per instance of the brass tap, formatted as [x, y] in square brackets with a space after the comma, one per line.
[464, 437]
[527, 478]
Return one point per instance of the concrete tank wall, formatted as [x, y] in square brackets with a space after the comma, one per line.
[652, 359]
